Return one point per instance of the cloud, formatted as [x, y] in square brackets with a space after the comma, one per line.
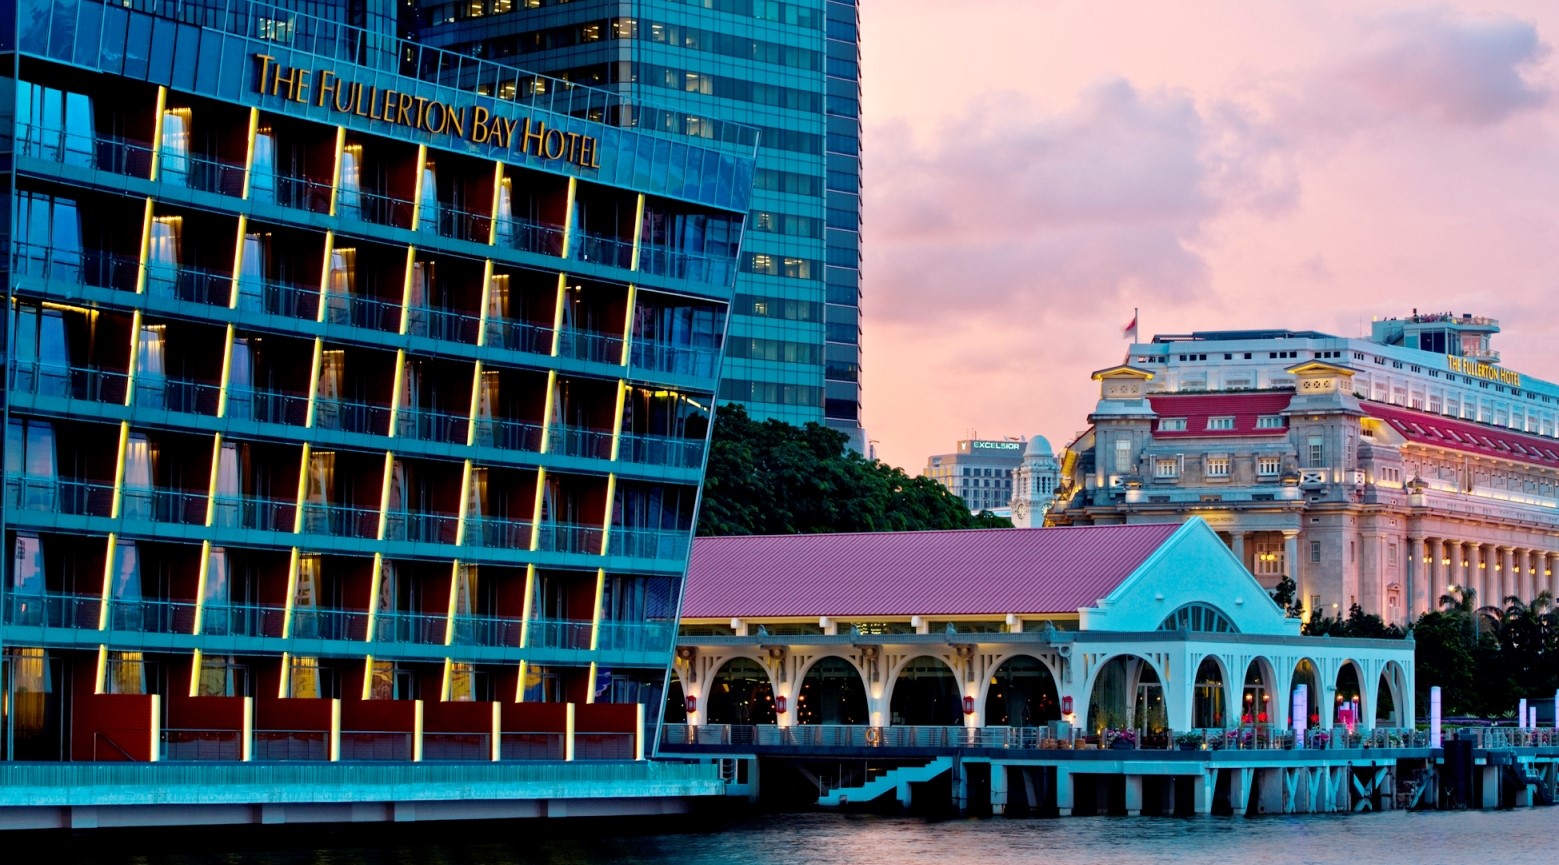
[1014, 213]
[1432, 66]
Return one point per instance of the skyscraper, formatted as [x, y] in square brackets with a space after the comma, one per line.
[790, 68]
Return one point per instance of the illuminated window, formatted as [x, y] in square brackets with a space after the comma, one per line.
[1268, 465]
[1166, 468]
[1218, 467]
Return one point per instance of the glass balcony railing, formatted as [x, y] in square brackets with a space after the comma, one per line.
[518, 336]
[414, 628]
[177, 395]
[472, 630]
[585, 345]
[296, 193]
[375, 207]
[54, 610]
[509, 435]
[188, 283]
[104, 152]
[323, 623]
[59, 496]
[460, 224]
[81, 267]
[570, 538]
[599, 249]
[254, 513]
[348, 416]
[162, 505]
[213, 174]
[574, 442]
[664, 261]
[71, 382]
[662, 544]
[557, 634]
[242, 620]
[278, 297]
[267, 406]
[445, 324]
[421, 527]
[149, 616]
[497, 533]
[636, 636]
[340, 521]
[429, 425]
[665, 451]
[525, 235]
[364, 311]
[676, 359]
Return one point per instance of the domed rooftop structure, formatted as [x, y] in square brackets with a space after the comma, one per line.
[1038, 446]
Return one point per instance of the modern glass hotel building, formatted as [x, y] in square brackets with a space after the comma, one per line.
[791, 68]
[357, 401]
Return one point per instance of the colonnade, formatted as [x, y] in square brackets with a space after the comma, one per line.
[1494, 571]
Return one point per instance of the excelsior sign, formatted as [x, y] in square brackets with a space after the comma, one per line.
[978, 445]
[472, 123]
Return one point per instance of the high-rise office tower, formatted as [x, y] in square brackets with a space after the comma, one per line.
[790, 68]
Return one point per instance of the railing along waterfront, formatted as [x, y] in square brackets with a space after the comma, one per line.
[805, 736]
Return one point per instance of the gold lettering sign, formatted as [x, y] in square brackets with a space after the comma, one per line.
[325, 89]
[1486, 371]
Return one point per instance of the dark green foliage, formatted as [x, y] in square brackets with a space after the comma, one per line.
[1485, 659]
[1285, 593]
[1358, 624]
[772, 478]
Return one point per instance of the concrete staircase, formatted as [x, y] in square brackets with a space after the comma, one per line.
[897, 780]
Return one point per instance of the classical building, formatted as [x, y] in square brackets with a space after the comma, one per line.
[357, 404]
[1383, 472]
[790, 68]
[1143, 627]
[980, 472]
[1035, 484]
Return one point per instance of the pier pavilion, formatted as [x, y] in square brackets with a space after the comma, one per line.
[1146, 628]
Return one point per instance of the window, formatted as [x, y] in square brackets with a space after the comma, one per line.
[1268, 466]
[1315, 552]
[1171, 424]
[1218, 467]
[1269, 559]
[1166, 468]
[1123, 455]
[1220, 423]
[1315, 453]
[1198, 617]
[1269, 421]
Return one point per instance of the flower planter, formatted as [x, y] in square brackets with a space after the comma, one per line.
[1119, 745]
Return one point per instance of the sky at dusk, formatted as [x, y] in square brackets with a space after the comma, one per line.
[1034, 170]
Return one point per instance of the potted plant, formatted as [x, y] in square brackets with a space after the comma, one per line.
[1124, 740]
[1189, 741]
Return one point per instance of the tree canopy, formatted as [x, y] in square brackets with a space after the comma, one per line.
[771, 477]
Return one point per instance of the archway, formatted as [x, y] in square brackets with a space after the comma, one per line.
[740, 694]
[675, 711]
[832, 693]
[926, 693]
[1349, 697]
[1389, 702]
[1306, 674]
[1209, 695]
[1127, 695]
[1022, 693]
[1256, 695]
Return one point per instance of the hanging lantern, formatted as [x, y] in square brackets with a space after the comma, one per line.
[781, 704]
[1066, 705]
[968, 705]
[691, 703]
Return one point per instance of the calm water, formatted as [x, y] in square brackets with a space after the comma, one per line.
[1453, 838]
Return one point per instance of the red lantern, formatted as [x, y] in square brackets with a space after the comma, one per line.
[968, 705]
[1066, 705]
[781, 704]
[691, 703]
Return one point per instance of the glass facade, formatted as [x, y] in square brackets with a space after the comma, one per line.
[356, 401]
[792, 69]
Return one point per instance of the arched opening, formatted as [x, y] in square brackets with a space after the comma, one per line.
[1208, 695]
[1388, 706]
[1127, 695]
[1022, 693]
[1198, 618]
[676, 703]
[926, 694]
[1256, 700]
[832, 693]
[1306, 674]
[740, 694]
[1349, 697]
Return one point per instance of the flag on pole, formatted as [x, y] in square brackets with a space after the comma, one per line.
[1131, 327]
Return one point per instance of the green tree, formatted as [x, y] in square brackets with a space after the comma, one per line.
[770, 477]
[1286, 594]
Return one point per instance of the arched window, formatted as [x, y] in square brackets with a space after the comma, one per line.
[1199, 617]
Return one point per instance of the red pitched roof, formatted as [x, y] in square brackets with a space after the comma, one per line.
[1459, 435]
[948, 573]
[1197, 408]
